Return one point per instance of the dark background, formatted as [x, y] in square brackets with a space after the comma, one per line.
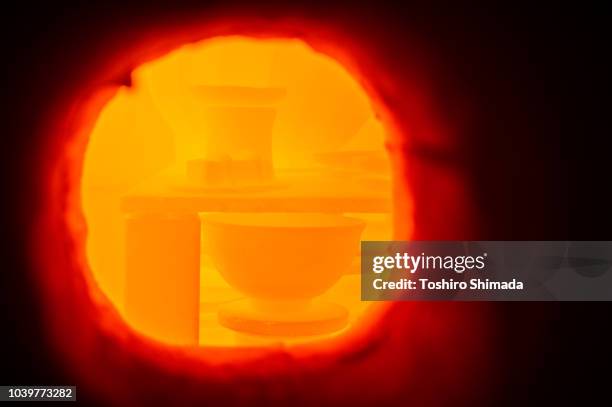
[541, 85]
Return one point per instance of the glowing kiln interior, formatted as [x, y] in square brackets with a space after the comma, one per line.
[229, 169]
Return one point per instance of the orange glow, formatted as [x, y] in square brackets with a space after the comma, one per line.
[89, 333]
[269, 129]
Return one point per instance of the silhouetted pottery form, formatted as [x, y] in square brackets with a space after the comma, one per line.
[282, 262]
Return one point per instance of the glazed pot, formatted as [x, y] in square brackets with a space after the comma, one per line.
[281, 256]
[235, 124]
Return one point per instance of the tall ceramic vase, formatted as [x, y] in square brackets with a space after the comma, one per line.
[236, 129]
